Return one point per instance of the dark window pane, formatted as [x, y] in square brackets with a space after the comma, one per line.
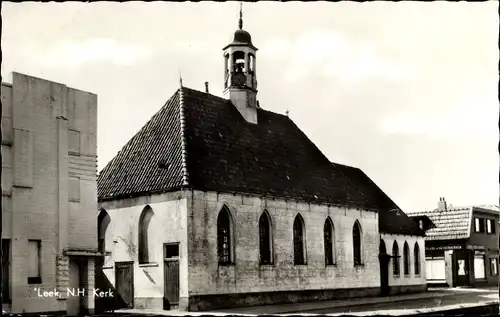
[416, 258]
[265, 239]
[223, 237]
[395, 260]
[328, 243]
[356, 238]
[298, 241]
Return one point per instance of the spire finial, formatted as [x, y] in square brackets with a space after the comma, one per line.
[180, 78]
[240, 24]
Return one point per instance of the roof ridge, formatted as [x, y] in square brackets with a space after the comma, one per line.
[185, 174]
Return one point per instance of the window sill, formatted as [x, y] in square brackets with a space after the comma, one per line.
[407, 275]
[396, 276]
[359, 265]
[34, 280]
[266, 265]
[226, 264]
[150, 264]
[107, 267]
[331, 265]
[74, 200]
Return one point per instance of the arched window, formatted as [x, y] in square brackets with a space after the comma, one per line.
[329, 242]
[102, 225]
[406, 259]
[265, 239]
[224, 237]
[416, 258]
[299, 241]
[144, 221]
[395, 259]
[356, 241]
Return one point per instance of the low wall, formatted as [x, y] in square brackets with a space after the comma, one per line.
[226, 301]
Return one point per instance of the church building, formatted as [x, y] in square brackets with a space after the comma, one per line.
[218, 203]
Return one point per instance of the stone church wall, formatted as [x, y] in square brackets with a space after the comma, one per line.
[410, 282]
[168, 225]
[208, 281]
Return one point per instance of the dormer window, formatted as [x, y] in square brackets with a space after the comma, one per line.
[421, 224]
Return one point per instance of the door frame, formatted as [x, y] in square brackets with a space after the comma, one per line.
[131, 264]
[465, 280]
[165, 260]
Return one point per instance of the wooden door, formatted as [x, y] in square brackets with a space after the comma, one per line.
[124, 282]
[171, 274]
[462, 270]
[384, 269]
[74, 302]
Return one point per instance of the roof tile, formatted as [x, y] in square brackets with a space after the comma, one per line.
[450, 224]
[223, 152]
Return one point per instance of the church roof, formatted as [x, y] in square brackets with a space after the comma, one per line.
[200, 141]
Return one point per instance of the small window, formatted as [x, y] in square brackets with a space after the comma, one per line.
[479, 225]
[171, 251]
[265, 239]
[490, 226]
[224, 237]
[416, 258]
[406, 259]
[494, 266]
[299, 245]
[395, 259]
[329, 242]
[34, 254]
[421, 224]
[356, 243]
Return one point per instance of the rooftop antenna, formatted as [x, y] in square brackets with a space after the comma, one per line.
[180, 78]
[287, 112]
[240, 24]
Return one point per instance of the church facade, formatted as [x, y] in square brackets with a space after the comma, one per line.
[218, 203]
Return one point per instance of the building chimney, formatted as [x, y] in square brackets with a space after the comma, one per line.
[206, 87]
[442, 204]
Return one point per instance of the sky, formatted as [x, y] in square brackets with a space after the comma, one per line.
[406, 91]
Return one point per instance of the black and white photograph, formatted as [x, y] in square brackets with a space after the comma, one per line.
[250, 158]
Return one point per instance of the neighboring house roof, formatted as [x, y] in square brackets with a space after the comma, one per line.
[452, 223]
[488, 207]
[200, 141]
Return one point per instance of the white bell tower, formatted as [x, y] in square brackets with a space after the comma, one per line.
[240, 77]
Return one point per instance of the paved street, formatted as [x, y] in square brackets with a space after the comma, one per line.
[447, 298]
[435, 299]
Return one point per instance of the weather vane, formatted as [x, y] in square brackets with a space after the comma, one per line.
[241, 16]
